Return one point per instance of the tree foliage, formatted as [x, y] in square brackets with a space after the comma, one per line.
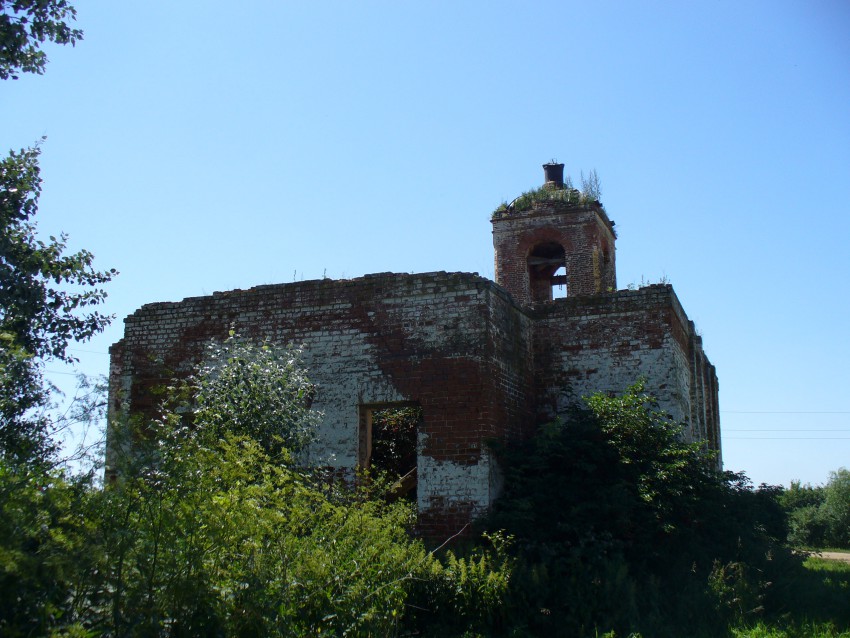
[836, 507]
[613, 524]
[47, 300]
[260, 392]
[46, 294]
[25, 25]
[807, 526]
[819, 516]
[215, 538]
[622, 525]
[212, 528]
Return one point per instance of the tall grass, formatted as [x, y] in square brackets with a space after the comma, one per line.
[817, 564]
[818, 605]
[808, 630]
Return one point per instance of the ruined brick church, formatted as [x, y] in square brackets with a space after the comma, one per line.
[479, 360]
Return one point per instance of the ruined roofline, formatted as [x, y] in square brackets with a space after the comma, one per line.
[661, 292]
[664, 294]
[601, 304]
[392, 279]
[511, 212]
[624, 301]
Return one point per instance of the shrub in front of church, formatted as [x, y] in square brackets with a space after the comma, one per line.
[619, 524]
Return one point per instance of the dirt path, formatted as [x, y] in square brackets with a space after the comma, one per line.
[842, 556]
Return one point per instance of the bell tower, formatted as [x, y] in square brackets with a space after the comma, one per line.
[553, 240]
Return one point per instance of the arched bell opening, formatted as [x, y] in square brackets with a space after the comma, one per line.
[547, 272]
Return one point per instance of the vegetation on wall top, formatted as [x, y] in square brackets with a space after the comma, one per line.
[590, 192]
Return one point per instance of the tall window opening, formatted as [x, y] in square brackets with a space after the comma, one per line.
[547, 272]
[388, 438]
[559, 283]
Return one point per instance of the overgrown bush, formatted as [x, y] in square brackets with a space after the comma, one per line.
[211, 528]
[463, 595]
[43, 542]
[622, 526]
[836, 508]
[819, 516]
[221, 540]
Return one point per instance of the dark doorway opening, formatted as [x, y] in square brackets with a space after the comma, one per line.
[388, 444]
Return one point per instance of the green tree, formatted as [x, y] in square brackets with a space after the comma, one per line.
[202, 532]
[46, 301]
[591, 186]
[45, 545]
[25, 25]
[799, 495]
[807, 526]
[836, 508]
[620, 524]
[212, 528]
[261, 392]
[216, 538]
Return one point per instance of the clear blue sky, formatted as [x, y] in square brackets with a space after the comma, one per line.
[202, 146]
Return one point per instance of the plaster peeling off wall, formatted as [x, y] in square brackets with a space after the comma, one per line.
[606, 343]
[448, 485]
[343, 366]
[432, 339]
[681, 373]
[595, 371]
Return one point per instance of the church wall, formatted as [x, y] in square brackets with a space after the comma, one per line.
[453, 343]
[605, 343]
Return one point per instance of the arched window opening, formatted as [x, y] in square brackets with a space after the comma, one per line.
[547, 272]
